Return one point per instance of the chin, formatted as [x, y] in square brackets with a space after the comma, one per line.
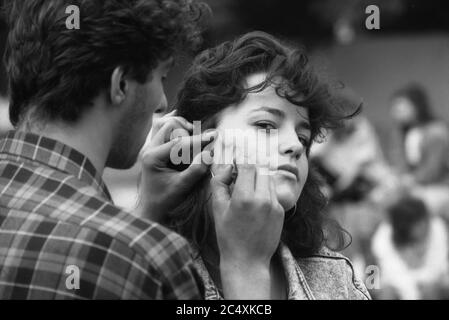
[287, 192]
[287, 199]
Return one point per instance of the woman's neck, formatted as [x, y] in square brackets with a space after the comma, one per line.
[210, 254]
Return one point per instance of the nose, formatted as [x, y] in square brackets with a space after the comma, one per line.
[290, 145]
[162, 108]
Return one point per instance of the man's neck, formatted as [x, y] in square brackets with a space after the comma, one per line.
[91, 137]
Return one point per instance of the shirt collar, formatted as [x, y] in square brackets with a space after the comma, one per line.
[53, 154]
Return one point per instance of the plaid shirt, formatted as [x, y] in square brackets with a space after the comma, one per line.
[57, 218]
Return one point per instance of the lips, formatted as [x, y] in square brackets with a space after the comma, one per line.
[291, 169]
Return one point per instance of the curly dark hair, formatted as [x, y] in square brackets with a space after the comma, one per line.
[419, 99]
[404, 215]
[60, 71]
[215, 81]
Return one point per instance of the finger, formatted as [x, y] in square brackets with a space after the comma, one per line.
[263, 188]
[163, 135]
[170, 114]
[160, 122]
[198, 142]
[152, 141]
[221, 170]
[272, 190]
[181, 132]
[159, 155]
[245, 182]
[274, 198]
[196, 170]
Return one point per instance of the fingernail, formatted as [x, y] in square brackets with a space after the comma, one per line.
[211, 134]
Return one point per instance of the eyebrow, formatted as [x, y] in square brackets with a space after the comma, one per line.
[280, 114]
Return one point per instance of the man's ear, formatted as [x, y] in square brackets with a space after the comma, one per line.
[119, 86]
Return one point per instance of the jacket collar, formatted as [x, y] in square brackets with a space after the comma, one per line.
[297, 286]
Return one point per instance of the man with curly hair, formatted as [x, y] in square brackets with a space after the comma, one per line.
[82, 100]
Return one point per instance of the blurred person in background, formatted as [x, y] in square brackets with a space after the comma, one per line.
[351, 162]
[275, 249]
[411, 249]
[422, 148]
[356, 178]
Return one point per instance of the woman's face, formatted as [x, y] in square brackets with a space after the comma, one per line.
[282, 145]
[403, 111]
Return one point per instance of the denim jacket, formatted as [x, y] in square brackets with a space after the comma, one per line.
[324, 276]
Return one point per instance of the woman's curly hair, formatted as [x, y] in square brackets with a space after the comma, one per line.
[61, 70]
[216, 81]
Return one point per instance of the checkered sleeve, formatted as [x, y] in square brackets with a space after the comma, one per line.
[184, 284]
[113, 269]
[156, 265]
[169, 260]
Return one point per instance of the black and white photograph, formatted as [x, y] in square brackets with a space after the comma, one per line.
[243, 151]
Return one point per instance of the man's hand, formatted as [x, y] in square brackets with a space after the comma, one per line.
[248, 226]
[162, 187]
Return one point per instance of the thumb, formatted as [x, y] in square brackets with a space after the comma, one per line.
[195, 171]
[160, 154]
[223, 173]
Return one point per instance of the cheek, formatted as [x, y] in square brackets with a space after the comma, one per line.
[303, 167]
[287, 192]
[290, 189]
[246, 146]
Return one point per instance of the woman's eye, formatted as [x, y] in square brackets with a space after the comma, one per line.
[266, 126]
[305, 141]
